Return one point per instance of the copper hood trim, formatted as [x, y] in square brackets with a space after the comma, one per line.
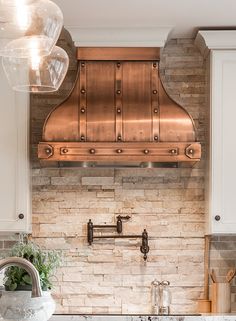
[144, 152]
[118, 110]
[120, 54]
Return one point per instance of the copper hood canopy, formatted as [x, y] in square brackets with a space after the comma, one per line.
[119, 113]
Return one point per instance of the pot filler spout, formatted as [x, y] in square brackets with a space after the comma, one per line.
[118, 113]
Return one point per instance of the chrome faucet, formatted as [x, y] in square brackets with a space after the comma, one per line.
[24, 264]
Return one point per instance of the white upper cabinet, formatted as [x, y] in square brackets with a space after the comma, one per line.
[219, 46]
[222, 143]
[14, 160]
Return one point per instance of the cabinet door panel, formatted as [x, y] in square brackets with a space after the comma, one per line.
[14, 164]
[223, 145]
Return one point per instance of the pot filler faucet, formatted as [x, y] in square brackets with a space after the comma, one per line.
[144, 248]
[24, 264]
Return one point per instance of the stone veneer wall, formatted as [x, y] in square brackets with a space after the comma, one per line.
[110, 276]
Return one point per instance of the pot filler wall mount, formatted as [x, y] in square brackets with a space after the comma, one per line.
[118, 113]
[91, 228]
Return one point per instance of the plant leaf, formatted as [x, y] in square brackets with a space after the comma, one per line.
[27, 279]
[12, 286]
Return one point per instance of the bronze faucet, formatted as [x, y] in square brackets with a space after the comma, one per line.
[24, 264]
[144, 248]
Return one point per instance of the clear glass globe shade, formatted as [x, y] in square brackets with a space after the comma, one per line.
[25, 21]
[37, 74]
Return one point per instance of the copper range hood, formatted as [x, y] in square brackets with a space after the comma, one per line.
[119, 113]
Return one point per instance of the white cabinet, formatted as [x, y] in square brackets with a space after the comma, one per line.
[221, 196]
[14, 160]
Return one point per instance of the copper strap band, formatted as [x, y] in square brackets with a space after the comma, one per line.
[114, 53]
[155, 103]
[82, 102]
[118, 101]
[111, 151]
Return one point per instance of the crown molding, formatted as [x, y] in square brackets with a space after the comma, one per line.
[215, 40]
[119, 37]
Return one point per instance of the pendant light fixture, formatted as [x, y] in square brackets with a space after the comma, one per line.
[37, 74]
[23, 22]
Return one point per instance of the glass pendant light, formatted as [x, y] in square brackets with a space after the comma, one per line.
[23, 22]
[37, 74]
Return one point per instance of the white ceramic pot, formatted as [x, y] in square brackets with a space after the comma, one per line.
[19, 306]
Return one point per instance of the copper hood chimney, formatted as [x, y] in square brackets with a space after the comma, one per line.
[118, 112]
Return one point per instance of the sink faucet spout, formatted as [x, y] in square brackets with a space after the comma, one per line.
[24, 264]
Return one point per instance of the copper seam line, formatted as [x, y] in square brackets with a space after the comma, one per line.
[118, 100]
[155, 111]
[83, 102]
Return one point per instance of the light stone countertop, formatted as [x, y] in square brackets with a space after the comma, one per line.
[209, 317]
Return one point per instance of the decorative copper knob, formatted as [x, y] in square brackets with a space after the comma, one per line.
[82, 110]
[173, 151]
[154, 91]
[82, 64]
[119, 137]
[155, 137]
[154, 65]
[92, 151]
[119, 151]
[118, 92]
[48, 151]
[82, 137]
[190, 151]
[118, 64]
[64, 150]
[118, 110]
[21, 216]
[146, 151]
[155, 110]
[83, 91]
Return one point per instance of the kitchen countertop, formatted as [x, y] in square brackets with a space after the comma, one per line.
[209, 317]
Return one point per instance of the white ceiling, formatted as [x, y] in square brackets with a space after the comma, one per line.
[184, 16]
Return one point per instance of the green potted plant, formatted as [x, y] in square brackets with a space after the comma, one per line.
[17, 295]
[45, 262]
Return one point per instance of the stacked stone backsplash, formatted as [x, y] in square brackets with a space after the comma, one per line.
[110, 276]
